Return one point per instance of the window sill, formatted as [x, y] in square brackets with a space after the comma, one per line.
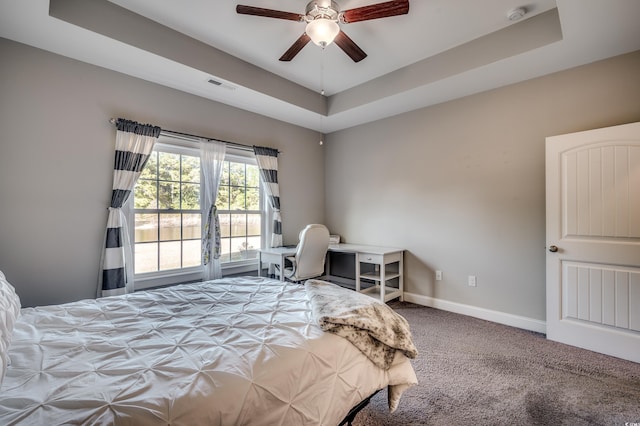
[153, 280]
[147, 281]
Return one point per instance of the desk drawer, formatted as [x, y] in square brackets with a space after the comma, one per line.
[371, 258]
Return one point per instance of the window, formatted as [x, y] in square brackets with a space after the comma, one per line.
[238, 206]
[167, 215]
[168, 218]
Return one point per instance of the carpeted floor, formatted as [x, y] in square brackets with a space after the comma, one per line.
[475, 372]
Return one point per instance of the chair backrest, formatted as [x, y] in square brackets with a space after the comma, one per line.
[311, 252]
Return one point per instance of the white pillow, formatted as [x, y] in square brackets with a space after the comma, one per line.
[9, 312]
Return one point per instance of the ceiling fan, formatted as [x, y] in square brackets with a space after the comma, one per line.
[322, 18]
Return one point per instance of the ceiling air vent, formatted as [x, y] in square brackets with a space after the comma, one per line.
[221, 84]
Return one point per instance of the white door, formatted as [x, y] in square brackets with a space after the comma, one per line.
[593, 240]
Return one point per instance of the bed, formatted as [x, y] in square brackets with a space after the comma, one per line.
[238, 351]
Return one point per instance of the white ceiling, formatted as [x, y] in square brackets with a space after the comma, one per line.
[436, 53]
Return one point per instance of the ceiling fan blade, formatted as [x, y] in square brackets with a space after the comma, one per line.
[350, 48]
[268, 13]
[375, 11]
[295, 48]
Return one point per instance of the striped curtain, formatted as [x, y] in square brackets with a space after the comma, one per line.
[267, 159]
[134, 143]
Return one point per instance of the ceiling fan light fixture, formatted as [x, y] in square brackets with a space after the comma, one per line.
[322, 31]
[322, 18]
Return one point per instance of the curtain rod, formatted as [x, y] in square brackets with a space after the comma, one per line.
[188, 135]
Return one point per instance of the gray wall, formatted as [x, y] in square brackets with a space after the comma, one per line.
[56, 160]
[460, 185]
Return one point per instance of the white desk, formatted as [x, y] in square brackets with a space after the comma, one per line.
[275, 255]
[387, 261]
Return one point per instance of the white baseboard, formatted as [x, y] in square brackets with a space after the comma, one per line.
[482, 313]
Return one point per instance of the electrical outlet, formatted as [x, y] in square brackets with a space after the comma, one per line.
[438, 275]
[472, 281]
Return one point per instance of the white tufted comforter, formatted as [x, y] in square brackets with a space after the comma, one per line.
[242, 351]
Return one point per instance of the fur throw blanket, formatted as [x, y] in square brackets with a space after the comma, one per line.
[373, 327]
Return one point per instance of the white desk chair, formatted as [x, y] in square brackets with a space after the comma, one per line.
[311, 252]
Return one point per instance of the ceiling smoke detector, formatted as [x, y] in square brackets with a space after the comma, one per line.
[516, 14]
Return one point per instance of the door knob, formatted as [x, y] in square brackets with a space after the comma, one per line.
[553, 249]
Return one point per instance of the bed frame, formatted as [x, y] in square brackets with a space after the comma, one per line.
[350, 417]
